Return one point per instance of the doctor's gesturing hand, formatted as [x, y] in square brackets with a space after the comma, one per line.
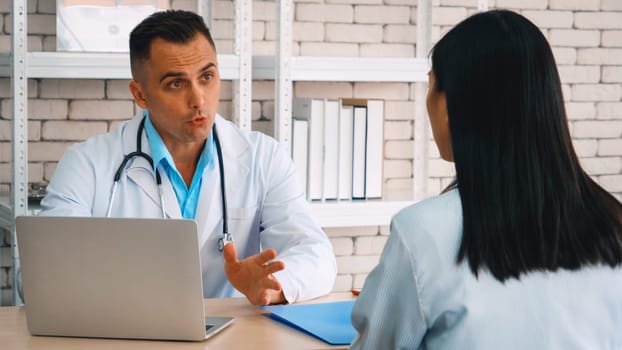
[253, 276]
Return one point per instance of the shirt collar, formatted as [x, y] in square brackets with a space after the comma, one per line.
[160, 153]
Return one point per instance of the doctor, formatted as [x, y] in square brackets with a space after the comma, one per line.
[190, 162]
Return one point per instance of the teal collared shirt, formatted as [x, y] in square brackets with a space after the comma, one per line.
[188, 198]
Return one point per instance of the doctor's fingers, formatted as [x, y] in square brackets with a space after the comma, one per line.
[230, 253]
[265, 256]
[273, 267]
[270, 283]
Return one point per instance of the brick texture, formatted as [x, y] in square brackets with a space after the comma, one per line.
[591, 5]
[324, 13]
[381, 14]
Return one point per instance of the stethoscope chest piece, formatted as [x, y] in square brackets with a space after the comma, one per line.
[224, 240]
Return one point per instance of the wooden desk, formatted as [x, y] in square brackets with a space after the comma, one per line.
[250, 330]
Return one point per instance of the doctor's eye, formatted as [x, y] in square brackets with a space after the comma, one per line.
[207, 76]
[175, 84]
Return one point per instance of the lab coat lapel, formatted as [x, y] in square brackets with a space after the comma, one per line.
[143, 176]
[209, 209]
[141, 173]
[171, 205]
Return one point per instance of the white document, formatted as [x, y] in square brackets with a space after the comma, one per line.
[331, 149]
[358, 152]
[346, 119]
[375, 149]
[313, 111]
[300, 141]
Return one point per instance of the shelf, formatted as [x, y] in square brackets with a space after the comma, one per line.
[357, 214]
[91, 65]
[347, 69]
[353, 213]
[360, 69]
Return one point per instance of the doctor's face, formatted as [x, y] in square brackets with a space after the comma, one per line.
[179, 84]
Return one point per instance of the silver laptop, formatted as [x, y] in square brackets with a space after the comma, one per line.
[113, 278]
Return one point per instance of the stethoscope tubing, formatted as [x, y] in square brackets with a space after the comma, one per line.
[226, 236]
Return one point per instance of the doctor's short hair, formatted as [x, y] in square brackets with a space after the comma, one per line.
[175, 26]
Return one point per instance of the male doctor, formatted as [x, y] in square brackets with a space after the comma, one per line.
[176, 82]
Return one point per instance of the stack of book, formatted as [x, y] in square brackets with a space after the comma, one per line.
[337, 147]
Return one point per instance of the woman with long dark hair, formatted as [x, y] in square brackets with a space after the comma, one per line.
[524, 251]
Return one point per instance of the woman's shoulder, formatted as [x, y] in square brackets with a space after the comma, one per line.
[434, 215]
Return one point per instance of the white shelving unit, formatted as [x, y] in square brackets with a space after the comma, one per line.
[22, 65]
[355, 69]
[93, 65]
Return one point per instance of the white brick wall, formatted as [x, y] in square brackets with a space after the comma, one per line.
[612, 74]
[99, 109]
[609, 110]
[597, 129]
[369, 245]
[579, 74]
[598, 20]
[363, 33]
[325, 13]
[575, 5]
[586, 148]
[522, 4]
[602, 165]
[382, 14]
[72, 89]
[71, 130]
[580, 110]
[550, 19]
[586, 37]
[612, 38]
[611, 5]
[610, 147]
[400, 33]
[574, 37]
[611, 57]
[447, 15]
[596, 92]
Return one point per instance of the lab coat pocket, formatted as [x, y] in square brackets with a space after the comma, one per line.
[242, 213]
[244, 225]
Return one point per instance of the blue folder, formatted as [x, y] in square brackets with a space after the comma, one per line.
[329, 322]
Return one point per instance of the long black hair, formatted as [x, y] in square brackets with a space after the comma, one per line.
[527, 203]
[176, 26]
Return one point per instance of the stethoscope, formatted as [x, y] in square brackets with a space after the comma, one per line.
[226, 236]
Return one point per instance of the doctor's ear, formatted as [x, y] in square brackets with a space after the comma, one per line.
[138, 95]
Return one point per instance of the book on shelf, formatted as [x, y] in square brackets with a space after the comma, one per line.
[331, 149]
[375, 149]
[359, 147]
[300, 139]
[312, 110]
[344, 147]
[346, 120]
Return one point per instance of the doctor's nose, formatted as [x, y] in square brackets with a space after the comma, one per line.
[196, 98]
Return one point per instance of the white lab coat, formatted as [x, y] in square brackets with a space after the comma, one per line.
[266, 206]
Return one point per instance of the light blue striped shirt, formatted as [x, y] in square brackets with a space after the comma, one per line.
[418, 297]
[187, 198]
